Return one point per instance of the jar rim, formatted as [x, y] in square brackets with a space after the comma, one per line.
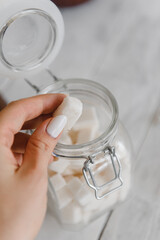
[105, 136]
[44, 56]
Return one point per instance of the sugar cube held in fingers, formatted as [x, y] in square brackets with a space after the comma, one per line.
[71, 107]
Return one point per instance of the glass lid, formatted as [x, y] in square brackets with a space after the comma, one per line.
[31, 35]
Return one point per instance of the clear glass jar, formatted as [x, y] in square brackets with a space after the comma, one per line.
[93, 176]
[79, 199]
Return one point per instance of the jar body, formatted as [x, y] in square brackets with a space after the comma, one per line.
[72, 199]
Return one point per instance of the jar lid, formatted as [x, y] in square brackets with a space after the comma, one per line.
[31, 35]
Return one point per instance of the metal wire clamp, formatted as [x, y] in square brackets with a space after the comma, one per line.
[89, 175]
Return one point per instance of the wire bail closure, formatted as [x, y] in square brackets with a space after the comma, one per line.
[39, 88]
[90, 161]
[89, 175]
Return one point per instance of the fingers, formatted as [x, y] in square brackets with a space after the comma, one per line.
[20, 142]
[34, 123]
[16, 113]
[41, 145]
[19, 159]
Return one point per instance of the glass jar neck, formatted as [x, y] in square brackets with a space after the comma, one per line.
[82, 88]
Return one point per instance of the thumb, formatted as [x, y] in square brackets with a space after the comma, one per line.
[42, 142]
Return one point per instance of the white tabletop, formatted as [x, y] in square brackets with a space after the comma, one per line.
[116, 43]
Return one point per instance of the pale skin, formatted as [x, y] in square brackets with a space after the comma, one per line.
[24, 161]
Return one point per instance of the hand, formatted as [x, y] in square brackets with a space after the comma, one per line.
[23, 164]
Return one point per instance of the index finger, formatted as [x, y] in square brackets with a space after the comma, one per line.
[16, 113]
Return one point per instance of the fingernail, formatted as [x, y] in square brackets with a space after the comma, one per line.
[56, 125]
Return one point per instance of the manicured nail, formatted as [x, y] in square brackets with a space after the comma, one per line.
[56, 125]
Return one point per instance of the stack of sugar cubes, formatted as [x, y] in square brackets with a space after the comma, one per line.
[76, 201]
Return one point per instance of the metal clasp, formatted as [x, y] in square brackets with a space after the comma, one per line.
[38, 89]
[113, 184]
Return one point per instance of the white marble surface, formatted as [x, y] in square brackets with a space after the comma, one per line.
[117, 43]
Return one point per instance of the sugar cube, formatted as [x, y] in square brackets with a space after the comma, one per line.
[74, 185]
[71, 107]
[68, 171]
[86, 134]
[57, 181]
[84, 196]
[64, 197]
[88, 118]
[59, 166]
[80, 192]
[71, 214]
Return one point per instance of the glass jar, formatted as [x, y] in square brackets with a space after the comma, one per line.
[88, 179]
[94, 176]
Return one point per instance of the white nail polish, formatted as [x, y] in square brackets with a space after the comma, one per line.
[56, 125]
